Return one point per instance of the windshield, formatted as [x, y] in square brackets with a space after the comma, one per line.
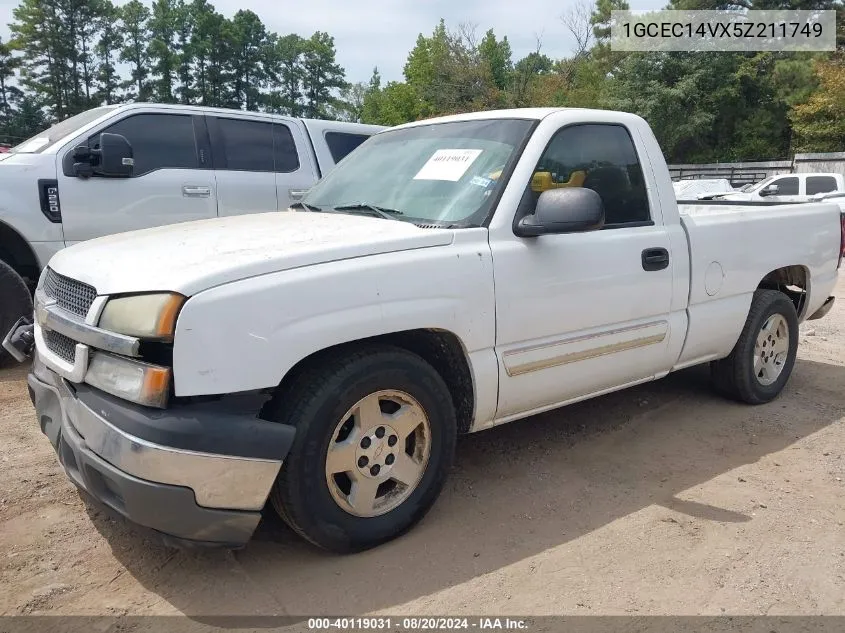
[43, 140]
[757, 185]
[439, 173]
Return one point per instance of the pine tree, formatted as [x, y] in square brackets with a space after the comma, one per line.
[321, 74]
[285, 60]
[40, 37]
[9, 65]
[135, 30]
[162, 47]
[107, 50]
[250, 48]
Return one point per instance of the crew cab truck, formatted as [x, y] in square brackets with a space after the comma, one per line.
[789, 188]
[120, 168]
[452, 275]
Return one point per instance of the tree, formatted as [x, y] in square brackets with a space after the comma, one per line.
[819, 123]
[185, 24]
[91, 16]
[350, 105]
[25, 121]
[320, 74]
[525, 75]
[136, 34]
[602, 21]
[399, 104]
[40, 36]
[162, 49]
[9, 64]
[107, 50]
[497, 55]
[449, 73]
[210, 46]
[287, 75]
[249, 50]
[705, 106]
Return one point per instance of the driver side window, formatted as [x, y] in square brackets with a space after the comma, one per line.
[786, 186]
[600, 157]
[159, 141]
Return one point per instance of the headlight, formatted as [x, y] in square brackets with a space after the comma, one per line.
[151, 316]
[131, 380]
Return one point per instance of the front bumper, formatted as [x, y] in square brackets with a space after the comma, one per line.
[196, 474]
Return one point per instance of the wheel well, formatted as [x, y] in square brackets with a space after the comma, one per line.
[791, 281]
[440, 348]
[16, 252]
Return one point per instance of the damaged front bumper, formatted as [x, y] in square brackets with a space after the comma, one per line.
[196, 474]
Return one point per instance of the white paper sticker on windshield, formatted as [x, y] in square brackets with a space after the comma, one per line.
[448, 164]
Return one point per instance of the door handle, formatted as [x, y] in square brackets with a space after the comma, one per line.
[655, 259]
[194, 191]
[296, 194]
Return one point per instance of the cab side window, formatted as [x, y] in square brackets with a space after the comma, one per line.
[820, 184]
[159, 141]
[786, 186]
[601, 157]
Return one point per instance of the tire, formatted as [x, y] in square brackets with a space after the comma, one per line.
[318, 505]
[735, 376]
[15, 302]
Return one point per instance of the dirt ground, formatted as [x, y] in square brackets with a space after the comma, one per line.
[663, 499]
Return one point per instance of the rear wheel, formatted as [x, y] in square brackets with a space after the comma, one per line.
[15, 302]
[375, 439]
[761, 362]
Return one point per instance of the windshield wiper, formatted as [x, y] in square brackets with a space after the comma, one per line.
[382, 212]
[306, 206]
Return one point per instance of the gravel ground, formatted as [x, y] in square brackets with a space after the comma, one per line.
[663, 499]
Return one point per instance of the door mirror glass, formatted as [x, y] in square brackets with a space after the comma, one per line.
[770, 190]
[114, 156]
[83, 161]
[566, 210]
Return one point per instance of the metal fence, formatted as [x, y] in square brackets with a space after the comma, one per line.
[739, 174]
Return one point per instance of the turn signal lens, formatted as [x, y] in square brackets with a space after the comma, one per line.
[129, 379]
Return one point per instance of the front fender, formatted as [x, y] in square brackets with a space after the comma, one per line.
[248, 334]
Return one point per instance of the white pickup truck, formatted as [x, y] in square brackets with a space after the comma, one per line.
[788, 188]
[451, 275]
[121, 168]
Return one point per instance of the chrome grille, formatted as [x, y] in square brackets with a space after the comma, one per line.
[69, 294]
[61, 345]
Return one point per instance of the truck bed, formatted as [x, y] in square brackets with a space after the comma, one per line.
[733, 245]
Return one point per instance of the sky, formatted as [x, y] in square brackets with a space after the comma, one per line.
[380, 33]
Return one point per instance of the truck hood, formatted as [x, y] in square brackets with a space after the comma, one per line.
[194, 256]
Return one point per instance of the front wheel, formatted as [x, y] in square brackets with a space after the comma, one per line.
[375, 439]
[761, 362]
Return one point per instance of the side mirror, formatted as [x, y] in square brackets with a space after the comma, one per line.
[115, 156]
[566, 210]
[770, 190]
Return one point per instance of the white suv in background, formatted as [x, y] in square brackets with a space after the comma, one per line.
[119, 168]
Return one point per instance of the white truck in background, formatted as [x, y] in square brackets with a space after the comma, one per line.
[788, 188]
[121, 168]
[452, 275]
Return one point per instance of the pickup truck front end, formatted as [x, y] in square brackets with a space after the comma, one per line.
[195, 472]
